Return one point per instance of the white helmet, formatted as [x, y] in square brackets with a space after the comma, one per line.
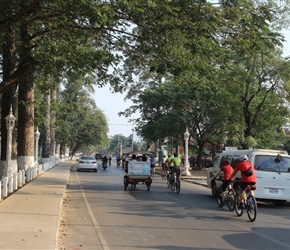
[244, 158]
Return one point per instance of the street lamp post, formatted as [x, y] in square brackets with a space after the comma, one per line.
[10, 122]
[186, 137]
[36, 137]
[121, 148]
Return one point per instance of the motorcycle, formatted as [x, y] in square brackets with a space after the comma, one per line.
[105, 165]
[126, 166]
[118, 163]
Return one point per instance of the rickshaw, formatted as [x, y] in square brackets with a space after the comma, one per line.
[138, 172]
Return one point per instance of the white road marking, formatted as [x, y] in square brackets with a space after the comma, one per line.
[95, 222]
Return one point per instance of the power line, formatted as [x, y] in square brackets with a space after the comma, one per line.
[120, 124]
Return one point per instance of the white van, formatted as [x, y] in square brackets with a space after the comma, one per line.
[272, 169]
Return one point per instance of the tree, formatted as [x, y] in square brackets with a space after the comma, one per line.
[80, 122]
[251, 67]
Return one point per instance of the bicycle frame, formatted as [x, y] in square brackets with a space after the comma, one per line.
[250, 203]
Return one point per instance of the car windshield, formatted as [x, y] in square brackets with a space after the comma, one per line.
[272, 163]
[87, 158]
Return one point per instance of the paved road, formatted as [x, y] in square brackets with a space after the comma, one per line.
[99, 214]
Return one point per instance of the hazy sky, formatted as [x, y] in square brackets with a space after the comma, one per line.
[112, 104]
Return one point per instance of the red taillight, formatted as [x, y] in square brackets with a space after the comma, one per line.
[251, 187]
[82, 162]
[94, 162]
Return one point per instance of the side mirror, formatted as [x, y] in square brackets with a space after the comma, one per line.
[278, 158]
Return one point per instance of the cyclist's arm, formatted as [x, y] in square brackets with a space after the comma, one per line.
[218, 174]
[233, 175]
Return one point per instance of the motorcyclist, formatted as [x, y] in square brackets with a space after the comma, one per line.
[126, 163]
[118, 159]
[110, 159]
[105, 161]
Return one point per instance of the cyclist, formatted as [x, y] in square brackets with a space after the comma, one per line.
[247, 178]
[164, 160]
[175, 165]
[227, 170]
[123, 160]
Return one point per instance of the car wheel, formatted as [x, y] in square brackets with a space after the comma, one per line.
[79, 170]
[95, 170]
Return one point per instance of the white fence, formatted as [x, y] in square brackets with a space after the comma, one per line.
[10, 184]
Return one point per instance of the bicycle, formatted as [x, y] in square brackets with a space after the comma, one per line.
[229, 198]
[249, 203]
[163, 173]
[175, 181]
[168, 178]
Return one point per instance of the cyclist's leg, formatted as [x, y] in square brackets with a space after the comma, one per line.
[224, 187]
[252, 184]
[242, 187]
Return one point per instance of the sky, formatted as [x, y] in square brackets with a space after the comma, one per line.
[111, 104]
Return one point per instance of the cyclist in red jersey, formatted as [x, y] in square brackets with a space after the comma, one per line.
[227, 169]
[247, 179]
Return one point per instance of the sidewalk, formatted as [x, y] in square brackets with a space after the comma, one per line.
[197, 176]
[30, 217]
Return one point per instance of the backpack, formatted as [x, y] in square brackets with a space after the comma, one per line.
[248, 172]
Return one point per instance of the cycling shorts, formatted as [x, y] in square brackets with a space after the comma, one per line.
[174, 169]
[243, 185]
[225, 185]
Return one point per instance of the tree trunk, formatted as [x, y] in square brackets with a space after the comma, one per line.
[52, 126]
[46, 129]
[199, 154]
[8, 96]
[25, 145]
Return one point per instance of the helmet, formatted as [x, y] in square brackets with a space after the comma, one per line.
[244, 158]
[227, 161]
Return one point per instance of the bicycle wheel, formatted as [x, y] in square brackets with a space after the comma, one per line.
[173, 183]
[252, 208]
[219, 198]
[239, 210]
[168, 181]
[231, 199]
[177, 185]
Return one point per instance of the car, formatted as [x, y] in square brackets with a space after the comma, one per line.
[98, 156]
[87, 162]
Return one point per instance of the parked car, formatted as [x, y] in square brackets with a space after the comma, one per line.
[87, 162]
